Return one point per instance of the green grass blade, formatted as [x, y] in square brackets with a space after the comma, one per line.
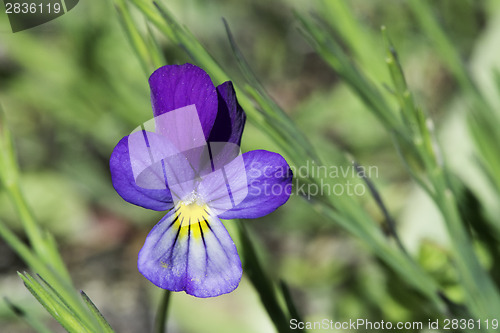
[330, 50]
[103, 323]
[44, 257]
[483, 120]
[162, 312]
[138, 43]
[57, 309]
[36, 324]
[277, 117]
[292, 309]
[261, 282]
[482, 294]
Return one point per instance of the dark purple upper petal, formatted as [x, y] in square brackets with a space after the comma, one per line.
[230, 121]
[176, 86]
[268, 182]
[125, 183]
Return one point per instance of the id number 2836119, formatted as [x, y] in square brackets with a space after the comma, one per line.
[32, 8]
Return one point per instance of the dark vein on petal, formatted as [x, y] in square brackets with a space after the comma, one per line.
[172, 247]
[202, 235]
[218, 240]
[205, 247]
[167, 229]
[188, 245]
[178, 232]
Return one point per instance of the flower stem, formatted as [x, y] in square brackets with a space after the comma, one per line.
[262, 283]
[161, 314]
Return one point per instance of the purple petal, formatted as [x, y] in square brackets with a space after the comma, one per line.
[230, 121]
[268, 181]
[157, 164]
[225, 187]
[200, 258]
[125, 183]
[177, 86]
[181, 127]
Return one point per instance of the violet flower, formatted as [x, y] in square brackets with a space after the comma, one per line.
[187, 161]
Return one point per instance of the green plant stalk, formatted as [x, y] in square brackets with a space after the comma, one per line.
[59, 311]
[38, 265]
[185, 40]
[443, 44]
[157, 56]
[482, 130]
[359, 39]
[103, 323]
[29, 225]
[292, 309]
[286, 139]
[414, 122]
[482, 118]
[42, 244]
[391, 225]
[44, 256]
[351, 218]
[28, 318]
[162, 312]
[424, 149]
[261, 282]
[332, 53]
[282, 124]
[482, 295]
[56, 296]
[370, 234]
[137, 41]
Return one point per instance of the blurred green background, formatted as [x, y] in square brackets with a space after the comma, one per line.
[73, 87]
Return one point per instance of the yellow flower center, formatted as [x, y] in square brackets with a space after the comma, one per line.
[192, 219]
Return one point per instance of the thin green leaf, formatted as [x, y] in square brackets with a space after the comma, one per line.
[103, 323]
[278, 118]
[330, 50]
[157, 56]
[261, 282]
[136, 39]
[27, 317]
[292, 309]
[496, 78]
[57, 310]
[162, 312]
